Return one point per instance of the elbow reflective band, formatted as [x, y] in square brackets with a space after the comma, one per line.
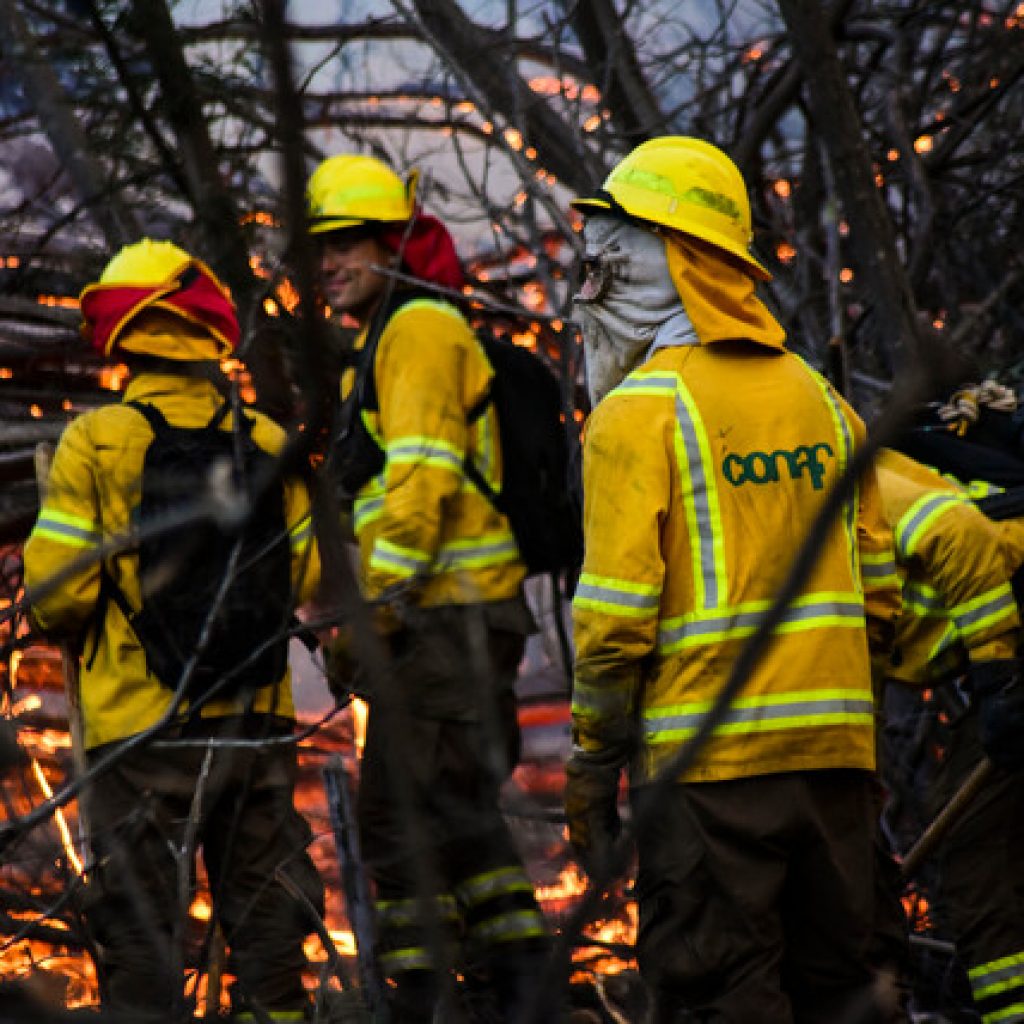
[616, 597]
[75, 531]
[398, 560]
[999, 978]
[879, 570]
[366, 510]
[478, 552]
[700, 491]
[768, 713]
[301, 533]
[810, 611]
[985, 610]
[427, 451]
[919, 517]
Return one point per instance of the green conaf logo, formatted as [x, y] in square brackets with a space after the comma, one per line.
[765, 467]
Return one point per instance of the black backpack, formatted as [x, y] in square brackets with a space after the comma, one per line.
[182, 569]
[536, 448]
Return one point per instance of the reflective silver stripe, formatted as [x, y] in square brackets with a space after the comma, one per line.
[997, 604]
[918, 517]
[75, 531]
[300, 534]
[700, 495]
[416, 958]
[844, 444]
[404, 913]
[401, 561]
[521, 924]
[809, 611]
[880, 570]
[477, 554]
[997, 976]
[764, 714]
[427, 450]
[603, 594]
[484, 887]
[366, 509]
[923, 599]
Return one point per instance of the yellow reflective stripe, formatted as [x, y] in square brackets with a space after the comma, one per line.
[923, 599]
[403, 913]
[918, 519]
[366, 510]
[844, 445]
[415, 958]
[65, 528]
[500, 882]
[767, 713]
[985, 610]
[616, 597]
[697, 482]
[427, 451]
[878, 569]
[520, 924]
[485, 449]
[301, 533]
[478, 552]
[394, 558]
[1012, 1014]
[947, 640]
[809, 611]
[977, 489]
[371, 422]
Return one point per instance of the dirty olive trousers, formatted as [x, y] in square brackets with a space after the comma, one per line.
[239, 805]
[451, 892]
[758, 899]
[981, 874]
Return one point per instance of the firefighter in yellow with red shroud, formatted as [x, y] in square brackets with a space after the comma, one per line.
[709, 452]
[221, 769]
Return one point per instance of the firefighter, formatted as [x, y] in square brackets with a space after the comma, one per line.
[170, 320]
[709, 451]
[441, 568]
[958, 635]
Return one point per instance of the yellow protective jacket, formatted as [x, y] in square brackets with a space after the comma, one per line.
[957, 601]
[422, 520]
[703, 471]
[94, 491]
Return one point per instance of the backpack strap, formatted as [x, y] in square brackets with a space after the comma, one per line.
[154, 417]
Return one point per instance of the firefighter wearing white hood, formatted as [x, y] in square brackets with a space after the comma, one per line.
[709, 453]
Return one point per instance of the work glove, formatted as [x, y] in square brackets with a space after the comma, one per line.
[592, 810]
[998, 694]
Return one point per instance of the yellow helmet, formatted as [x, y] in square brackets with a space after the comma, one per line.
[686, 184]
[346, 191]
[147, 262]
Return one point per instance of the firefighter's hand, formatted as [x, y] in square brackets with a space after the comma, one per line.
[592, 811]
[998, 692]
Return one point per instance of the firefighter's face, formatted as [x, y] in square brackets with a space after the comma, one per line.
[348, 282]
